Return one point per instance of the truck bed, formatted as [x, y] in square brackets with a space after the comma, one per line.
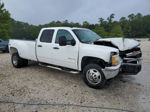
[26, 48]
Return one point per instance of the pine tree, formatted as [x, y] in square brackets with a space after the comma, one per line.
[4, 22]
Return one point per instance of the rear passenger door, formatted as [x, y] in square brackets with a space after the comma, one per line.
[44, 46]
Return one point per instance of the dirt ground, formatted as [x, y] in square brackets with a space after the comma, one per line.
[36, 84]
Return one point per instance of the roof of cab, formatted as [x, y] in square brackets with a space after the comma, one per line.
[67, 28]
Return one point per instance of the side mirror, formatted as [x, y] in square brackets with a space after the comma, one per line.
[62, 41]
[73, 42]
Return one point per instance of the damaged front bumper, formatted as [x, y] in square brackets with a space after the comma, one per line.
[131, 67]
[110, 72]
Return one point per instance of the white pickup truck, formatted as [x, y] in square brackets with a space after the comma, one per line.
[79, 50]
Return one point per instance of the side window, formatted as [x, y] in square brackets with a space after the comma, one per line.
[65, 33]
[47, 36]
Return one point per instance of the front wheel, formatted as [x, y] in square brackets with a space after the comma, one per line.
[94, 76]
[17, 61]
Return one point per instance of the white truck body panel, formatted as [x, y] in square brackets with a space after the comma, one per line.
[66, 56]
[91, 50]
[26, 49]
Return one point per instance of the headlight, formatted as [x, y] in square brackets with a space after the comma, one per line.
[115, 59]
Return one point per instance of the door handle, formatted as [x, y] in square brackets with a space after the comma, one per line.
[55, 48]
[39, 45]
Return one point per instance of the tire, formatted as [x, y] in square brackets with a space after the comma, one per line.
[93, 76]
[17, 61]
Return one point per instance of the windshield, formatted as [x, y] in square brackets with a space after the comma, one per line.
[86, 36]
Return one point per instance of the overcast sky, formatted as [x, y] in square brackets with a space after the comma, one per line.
[44, 11]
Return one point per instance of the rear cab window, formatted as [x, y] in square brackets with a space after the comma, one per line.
[47, 36]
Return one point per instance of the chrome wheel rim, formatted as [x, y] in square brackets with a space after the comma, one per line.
[93, 76]
[15, 60]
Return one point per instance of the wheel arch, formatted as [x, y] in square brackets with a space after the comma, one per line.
[13, 50]
[88, 59]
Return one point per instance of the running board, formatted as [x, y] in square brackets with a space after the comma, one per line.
[59, 68]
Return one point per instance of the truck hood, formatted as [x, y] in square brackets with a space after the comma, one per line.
[120, 43]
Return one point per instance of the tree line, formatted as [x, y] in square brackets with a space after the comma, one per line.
[133, 26]
[4, 22]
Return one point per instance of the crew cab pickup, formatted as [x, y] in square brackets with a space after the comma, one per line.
[79, 50]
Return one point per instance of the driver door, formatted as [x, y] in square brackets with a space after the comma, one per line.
[65, 56]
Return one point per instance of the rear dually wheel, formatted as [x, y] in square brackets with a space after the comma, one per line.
[17, 61]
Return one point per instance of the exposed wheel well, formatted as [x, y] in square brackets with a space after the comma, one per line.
[13, 50]
[86, 60]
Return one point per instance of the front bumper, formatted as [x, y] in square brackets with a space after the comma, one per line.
[110, 72]
[131, 68]
[123, 68]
